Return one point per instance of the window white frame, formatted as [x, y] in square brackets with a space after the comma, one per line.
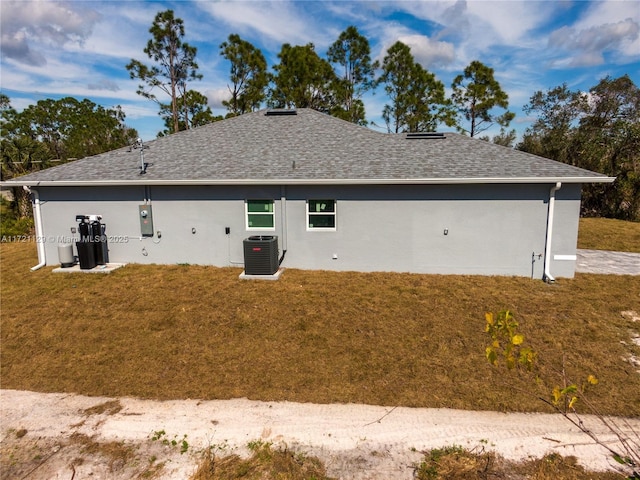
[251, 210]
[327, 209]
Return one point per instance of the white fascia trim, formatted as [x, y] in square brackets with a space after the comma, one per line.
[323, 181]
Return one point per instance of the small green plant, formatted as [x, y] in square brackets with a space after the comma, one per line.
[255, 445]
[219, 447]
[508, 344]
[11, 224]
[161, 435]
[184, 445]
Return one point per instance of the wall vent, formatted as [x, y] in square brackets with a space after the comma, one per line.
[280, 112]
[424, 135]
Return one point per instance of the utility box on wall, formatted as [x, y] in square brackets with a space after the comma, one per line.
[146, 220]
[261, 255]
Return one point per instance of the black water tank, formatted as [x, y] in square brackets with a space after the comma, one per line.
[261, 255]
[85, 231]
[86, 255]
[99, 238]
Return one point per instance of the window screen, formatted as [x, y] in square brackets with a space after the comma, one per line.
[321, 214]
[260, 214]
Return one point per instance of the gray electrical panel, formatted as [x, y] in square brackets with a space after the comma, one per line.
[146, 220]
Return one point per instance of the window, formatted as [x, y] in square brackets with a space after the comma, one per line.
[321, 215]
[260, 214]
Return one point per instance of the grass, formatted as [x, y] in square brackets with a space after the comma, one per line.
[609, 234]
[172, 332]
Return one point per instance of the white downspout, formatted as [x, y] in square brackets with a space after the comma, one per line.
[37, 217]
[547, 277]
[283, 218]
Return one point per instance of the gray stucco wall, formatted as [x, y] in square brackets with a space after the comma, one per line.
[491, 229]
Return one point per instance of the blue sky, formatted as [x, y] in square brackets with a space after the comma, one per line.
[80, 48]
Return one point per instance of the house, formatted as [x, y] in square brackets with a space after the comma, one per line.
[336, 195]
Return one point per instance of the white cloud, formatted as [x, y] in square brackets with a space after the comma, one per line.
[62, 77]
[26, 26]
[215, 96]
[20, 103]
[136, 111]
[610, 11]
[18, 76]
[15, 45]
[480, 24]
[588, 46]
[276, 22]
[609, 28]
[388, 34]
[429, 52]
[114, 37]
[510, 22]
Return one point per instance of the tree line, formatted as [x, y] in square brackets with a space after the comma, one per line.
[53, 132]
[598, 130]
[334, 84]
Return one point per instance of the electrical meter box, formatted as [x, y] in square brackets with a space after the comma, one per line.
[146, 220]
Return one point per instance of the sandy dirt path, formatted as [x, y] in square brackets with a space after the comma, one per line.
[63, 436]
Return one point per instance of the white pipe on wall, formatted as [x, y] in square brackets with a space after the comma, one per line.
[547, 277]
[283, 215]
[37, 216]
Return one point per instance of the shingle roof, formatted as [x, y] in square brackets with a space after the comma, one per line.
[308, 147]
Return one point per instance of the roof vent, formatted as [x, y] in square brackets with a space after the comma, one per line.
[279, 112]
[140, 144]
[428, 135]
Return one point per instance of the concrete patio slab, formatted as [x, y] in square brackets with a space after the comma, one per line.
[108, 268]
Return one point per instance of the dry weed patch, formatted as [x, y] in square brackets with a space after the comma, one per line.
[110, 407]
[456, 463]
[448, 463]
[556, 467]
[264, 462]
[118, 455]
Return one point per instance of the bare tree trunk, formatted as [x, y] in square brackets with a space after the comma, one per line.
[22, 201]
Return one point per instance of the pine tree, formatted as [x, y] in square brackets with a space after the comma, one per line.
[174, 65]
